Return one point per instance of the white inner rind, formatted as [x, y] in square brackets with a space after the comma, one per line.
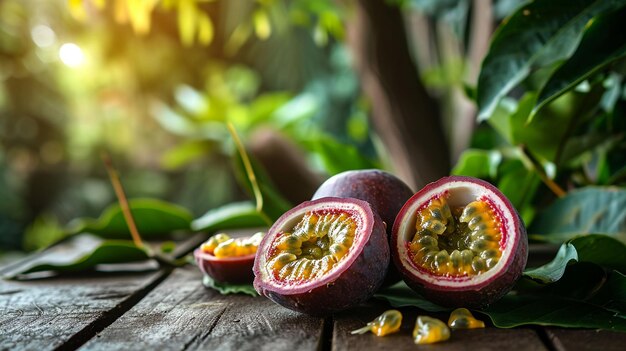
[460, 194]
[287, 225]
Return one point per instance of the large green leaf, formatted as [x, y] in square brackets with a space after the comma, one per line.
[516, 310]
[538, 35]
[598, 249]
[84, 253]
[596, 50]
[602, 250]
[589, 210]
[229, 216]
[542, 136]
[154, 218]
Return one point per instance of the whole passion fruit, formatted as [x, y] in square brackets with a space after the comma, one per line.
[459, 242]
[323, 256]
[385, 192]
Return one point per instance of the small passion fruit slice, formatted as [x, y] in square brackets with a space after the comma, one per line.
[323, 256]
[228, 260]
[459, 242]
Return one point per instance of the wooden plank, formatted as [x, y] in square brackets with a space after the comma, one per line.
[46, 314]
[66, 311]
[182, 314]
[586, 339]
[475, 339]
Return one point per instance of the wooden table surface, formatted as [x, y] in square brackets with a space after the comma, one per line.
[170, 309]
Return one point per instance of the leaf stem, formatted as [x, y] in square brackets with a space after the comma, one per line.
[121, 198]
[258, 197]
[553, 186]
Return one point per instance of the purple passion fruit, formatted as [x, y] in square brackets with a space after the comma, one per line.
[228, 260]
[459, 242]
[383, 191]
[323, 256]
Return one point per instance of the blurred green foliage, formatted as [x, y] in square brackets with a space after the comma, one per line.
[152, 82]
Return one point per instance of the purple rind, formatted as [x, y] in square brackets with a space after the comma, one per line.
[230, 270]
[350, 285]
[382, 190]
[472, 296]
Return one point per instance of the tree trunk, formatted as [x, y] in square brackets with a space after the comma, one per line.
[404, 116]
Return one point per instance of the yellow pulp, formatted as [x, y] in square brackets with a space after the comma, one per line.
[430, 330]
[387, 323]
[462, 318]
[458, 242]
[315, 245]
[222, 245]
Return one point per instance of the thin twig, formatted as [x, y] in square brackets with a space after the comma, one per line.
[554, 187]
[121, 198]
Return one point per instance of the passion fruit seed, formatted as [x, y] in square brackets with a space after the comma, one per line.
[430, 330]
[210, 245]
[222, 245]
[462, 318]
[456, 242]
[316, 244]
[387, 323]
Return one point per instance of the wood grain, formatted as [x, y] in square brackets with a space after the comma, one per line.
[476, 339]
[182, 314]
[590, 339]
[49, 313]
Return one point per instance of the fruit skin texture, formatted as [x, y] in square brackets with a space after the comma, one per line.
[383, 191]
[232, 270]
[352, 281]
[472, 295]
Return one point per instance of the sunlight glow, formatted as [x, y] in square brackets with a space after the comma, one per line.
[43, 36]
[71, 55]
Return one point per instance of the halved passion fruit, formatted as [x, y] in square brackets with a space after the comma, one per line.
[323, 256]
[459, 242]
[228, 260]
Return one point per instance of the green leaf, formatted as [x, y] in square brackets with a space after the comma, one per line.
[337, 157]
[400, 295]
[597, 49]
[589, 210]
[553, 271]
[538, 34]
[515, 310]
[519, 185]
[226, 289]
[602, 250]
[185, 153]
[85, 253]
[612, 295]
[229, 216]
[478, 163]
[154, 218]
